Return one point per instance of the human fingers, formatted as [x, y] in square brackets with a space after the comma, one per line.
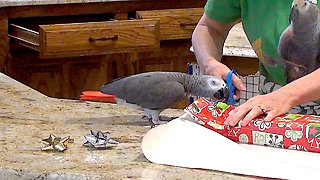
[236, 115]
[216, 68]
[238, 83]
[237, 94]
[256, 111]
[271, 115]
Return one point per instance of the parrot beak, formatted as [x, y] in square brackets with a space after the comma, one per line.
[222, 93]
[293, 13]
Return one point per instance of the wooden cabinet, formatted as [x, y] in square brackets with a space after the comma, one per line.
[173, 56]
[174, 23]
[66, 79]
[96, 38]
[89, 38]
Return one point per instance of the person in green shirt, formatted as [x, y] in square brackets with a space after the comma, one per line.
[263, 22]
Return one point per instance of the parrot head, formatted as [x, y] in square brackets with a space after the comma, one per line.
[304, 11]
[213, 87]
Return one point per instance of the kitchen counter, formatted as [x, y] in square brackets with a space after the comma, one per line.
[12, 3]
[27, 116]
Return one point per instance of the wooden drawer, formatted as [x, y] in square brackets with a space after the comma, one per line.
[174, 23]
[91, 38]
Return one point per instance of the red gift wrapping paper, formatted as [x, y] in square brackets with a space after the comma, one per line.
[290, 131]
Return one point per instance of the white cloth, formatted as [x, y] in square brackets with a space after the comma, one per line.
[187, 144]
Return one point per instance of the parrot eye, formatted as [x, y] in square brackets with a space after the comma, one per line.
[213, 82]
[305, 3]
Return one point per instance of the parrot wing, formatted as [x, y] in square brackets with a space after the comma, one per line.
[285, 44]
[148, 90]
[165, 95]
[270, 60]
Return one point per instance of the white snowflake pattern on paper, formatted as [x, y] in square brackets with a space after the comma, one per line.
[262, 125]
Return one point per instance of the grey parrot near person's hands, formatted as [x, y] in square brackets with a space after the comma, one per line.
[299, 43]
[154, 92]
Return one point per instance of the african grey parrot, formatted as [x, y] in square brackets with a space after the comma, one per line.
[153, 92]
[299, 43]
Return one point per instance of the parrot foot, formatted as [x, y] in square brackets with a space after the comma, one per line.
[155, 123]
[160, 121]
[145, 117]
[154, 119]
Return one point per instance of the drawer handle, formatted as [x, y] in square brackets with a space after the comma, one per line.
[188, 24]
[113, 38]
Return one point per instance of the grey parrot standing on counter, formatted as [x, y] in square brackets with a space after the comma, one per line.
[154, 92]
[299, 44]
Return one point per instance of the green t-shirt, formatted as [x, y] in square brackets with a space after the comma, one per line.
[263, 22]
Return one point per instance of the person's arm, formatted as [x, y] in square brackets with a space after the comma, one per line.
[208, 39]
[300, 91]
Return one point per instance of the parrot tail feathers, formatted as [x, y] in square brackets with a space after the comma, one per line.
[97, 96]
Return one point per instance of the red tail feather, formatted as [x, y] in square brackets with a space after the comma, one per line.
[97, 96]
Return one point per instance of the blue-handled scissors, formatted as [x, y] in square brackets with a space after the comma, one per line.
[231, 87]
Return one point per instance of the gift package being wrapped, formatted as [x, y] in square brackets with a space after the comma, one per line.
[290, 131]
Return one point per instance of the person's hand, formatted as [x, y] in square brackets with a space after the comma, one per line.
[273, 104]
[216, 68]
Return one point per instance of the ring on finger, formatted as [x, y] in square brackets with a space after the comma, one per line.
[263, 110]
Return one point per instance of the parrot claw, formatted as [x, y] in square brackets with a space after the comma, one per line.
[160, 121]
[153, 126]
[155, 123]
[145, 117]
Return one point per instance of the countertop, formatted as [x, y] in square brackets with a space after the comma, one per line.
[26, 116]
[237, 43]
[11, 3]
